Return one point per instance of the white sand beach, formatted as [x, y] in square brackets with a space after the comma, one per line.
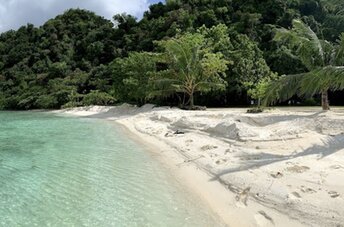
[284, 167]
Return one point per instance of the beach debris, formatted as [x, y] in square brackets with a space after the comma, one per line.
[168, 134]
[194, 159]
[298, 169]
[242, 197]
[333, 194]
[277, 175]
[178, 132]
[208, 147]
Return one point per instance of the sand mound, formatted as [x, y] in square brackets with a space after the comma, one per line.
[232, 130]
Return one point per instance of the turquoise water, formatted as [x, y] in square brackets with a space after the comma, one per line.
[59, 171]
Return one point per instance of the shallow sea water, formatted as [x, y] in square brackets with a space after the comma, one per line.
[64, 171]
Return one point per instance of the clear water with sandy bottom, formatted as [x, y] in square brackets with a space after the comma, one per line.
[60, 171]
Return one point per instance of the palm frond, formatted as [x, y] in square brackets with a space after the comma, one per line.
[315, 82]
[328, 78]
[307, 84]
[339, 58]
[282, 89]
[305, 31]
[303, 40]
[338, 78]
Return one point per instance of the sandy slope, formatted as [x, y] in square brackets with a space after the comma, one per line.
[280, 168]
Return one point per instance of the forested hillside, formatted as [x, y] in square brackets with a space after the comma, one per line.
[79, 58]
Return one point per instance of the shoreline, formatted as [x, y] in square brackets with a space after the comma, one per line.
[239, 164]
[187, 175]
[198, 180]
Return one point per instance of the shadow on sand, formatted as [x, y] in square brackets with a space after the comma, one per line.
[254, 161]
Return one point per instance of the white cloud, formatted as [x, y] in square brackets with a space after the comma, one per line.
[15, 13]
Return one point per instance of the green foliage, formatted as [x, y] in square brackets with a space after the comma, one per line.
[249, 65]
[306, 44]
[192, 65]
[132, 75]
[47, 102]
[78, 52]
[40, 67]
[323, 59]
[98, 98]
[258, 90]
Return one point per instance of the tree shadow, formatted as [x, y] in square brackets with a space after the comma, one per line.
[276, 119]
[254, 161]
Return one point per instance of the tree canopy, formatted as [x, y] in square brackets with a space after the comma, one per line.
[192, 66]
[79, 57]
[324, 61]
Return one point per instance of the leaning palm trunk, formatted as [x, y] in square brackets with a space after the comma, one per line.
[324, 61]
[321, 81]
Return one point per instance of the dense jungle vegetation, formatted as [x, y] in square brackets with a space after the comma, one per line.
[208, 52]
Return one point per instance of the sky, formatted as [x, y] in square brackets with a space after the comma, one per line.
[15, 13]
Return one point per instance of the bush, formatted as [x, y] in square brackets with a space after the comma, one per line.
[3, 103]
[255, 110]
[98, 98]
[46, 102]
[26, 102]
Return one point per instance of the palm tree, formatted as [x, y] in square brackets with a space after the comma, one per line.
[192, 67]
[323, 60]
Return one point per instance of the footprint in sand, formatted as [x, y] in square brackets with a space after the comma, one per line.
[298, 169]
[297, 195]
[213, 155]
[333, 194]
[188, 142]
[208, 147]
[242, 197]
[230, 151]
[336, 167]
[221, 161]
[307, 190]
[262, 219]
[294, 196]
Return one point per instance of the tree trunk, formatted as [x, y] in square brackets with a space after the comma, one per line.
[324, 100]
[191, 101]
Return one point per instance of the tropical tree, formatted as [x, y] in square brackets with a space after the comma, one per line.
[323, 60]
[132, 75]
[191, 66]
